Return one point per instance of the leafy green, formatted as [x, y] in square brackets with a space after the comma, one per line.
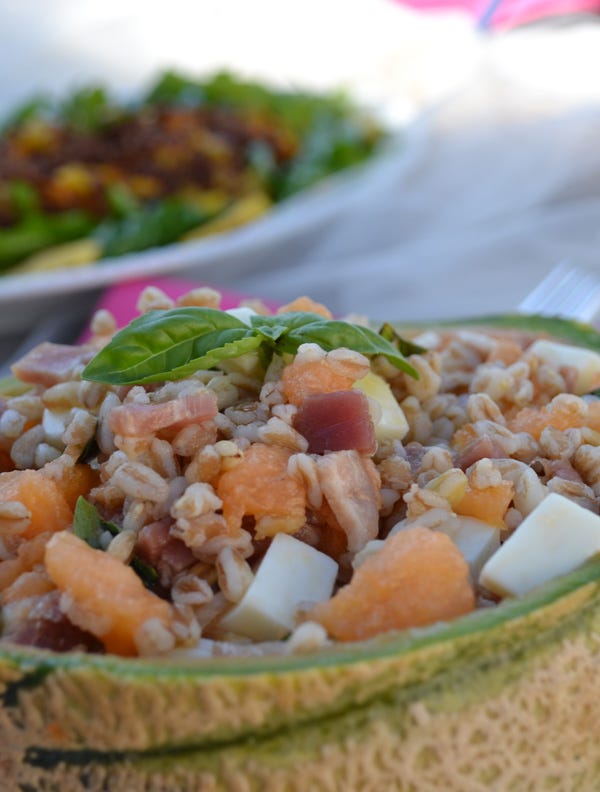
[299, 138]
[88, 109]
[34, 108]
[148, 226]
[89, 526]
[170, 345]
[404, 345]
[38, 231]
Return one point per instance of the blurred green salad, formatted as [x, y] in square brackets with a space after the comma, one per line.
[89, 177]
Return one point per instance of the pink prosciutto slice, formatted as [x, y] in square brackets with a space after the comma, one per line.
[168, 554]
[138, 420]
[48, 364]
[351, 486]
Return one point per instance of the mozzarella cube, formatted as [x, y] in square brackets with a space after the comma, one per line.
[476, 540]
[388, 418]
[557, 537]
[292, 573]
[243, 313]
[585, 362]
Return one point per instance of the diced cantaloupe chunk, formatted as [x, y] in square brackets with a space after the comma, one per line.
[49, 508]
[488, 504]
[418, 577]
[108, 599]
[74, 481]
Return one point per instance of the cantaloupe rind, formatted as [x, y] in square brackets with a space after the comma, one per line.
[481, 701]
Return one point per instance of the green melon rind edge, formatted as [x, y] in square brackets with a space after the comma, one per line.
[569, 330]
[330, 742]
[364, 673]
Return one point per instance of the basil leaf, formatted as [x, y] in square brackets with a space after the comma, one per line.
[169, 345]
[147, 573]
[406, 347]
[86, 523]
[331, 334]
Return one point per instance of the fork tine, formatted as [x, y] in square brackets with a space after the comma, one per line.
[567, 291]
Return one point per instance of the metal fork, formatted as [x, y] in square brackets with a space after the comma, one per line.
[568, 291]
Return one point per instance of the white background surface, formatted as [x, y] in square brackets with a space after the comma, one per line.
[497, 181]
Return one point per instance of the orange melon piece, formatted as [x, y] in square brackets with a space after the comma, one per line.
[109, 599]
[505, 351]
[28, 556]
[593, 419]
[534, 420]
[73, 481]
[260, 486]
[419, 577]
[41, 495]
[304, 378]
[306, 304]
[488, 504]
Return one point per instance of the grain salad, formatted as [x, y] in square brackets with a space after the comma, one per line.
[208, 482]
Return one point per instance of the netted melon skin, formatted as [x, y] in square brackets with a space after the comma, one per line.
[503, 699]
[538, 731]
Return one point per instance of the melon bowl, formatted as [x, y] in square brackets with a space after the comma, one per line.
[504, 698]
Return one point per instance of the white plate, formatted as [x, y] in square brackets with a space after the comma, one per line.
[282, 235]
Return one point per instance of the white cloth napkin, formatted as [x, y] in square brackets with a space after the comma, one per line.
[496, 178]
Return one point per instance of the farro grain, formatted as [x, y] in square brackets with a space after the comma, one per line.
[190, 589]
[12, 423]
[234, 575]
[23, 449]
[152, 298]
[203, 297]
[122, 546]
[103, 323]
[153, 638]
[15, 518]
[140, 481]
[278, 432]
[306, 638]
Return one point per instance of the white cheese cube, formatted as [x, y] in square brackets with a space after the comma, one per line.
[557, 537]
[291, 573]
[388, 417]
[585, 362]
[243, 313]
[476, 540]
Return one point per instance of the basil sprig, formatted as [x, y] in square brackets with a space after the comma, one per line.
[169, 345]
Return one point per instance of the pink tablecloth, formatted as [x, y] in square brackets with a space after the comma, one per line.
[121, 299]
[508, 13]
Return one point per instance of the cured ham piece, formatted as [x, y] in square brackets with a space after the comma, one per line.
[337, 421]
[351, 487]
[48, 363]
[138, 420]
[168, 554]
[484, 447]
